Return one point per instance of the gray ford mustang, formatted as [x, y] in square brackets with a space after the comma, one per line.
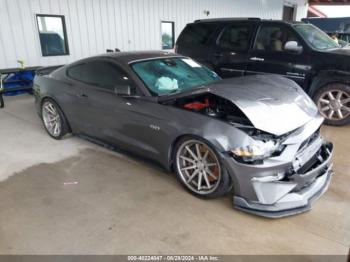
[258, 136]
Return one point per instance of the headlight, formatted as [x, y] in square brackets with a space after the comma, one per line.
[257, 151]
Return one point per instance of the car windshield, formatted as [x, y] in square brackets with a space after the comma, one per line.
[171, 75]
[316, 37]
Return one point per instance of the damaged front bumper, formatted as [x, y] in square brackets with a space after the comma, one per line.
[285, 185]
[279, 198]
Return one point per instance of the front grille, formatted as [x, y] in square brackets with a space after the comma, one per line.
[314, 168]
[316, 160]
[303, 159]
[312, 162]
[309, 140]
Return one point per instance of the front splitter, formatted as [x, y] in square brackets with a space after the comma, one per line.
[241, 204]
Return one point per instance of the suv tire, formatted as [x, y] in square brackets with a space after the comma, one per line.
[333, 102]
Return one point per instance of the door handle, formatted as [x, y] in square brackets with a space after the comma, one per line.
[82, 95]
[259, 59]
[217, 54]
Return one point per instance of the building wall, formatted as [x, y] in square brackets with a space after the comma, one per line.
[96, 25]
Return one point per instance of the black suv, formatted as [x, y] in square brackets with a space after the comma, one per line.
[299, 51]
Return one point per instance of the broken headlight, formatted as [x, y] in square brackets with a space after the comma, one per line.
[257, 151]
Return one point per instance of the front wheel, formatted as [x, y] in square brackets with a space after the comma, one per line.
[333, 102]
[54, 120]
[199, 169]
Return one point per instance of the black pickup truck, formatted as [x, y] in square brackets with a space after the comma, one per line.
[299, 51]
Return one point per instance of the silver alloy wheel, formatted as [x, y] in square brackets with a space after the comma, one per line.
[334, 104]
[52, 119]
[198, 167]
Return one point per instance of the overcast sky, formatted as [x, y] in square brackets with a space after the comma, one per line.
[335, 11]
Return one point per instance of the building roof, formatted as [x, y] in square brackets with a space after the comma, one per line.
[329, 2]
[315, 12]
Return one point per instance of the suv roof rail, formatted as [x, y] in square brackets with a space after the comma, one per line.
[227, 19]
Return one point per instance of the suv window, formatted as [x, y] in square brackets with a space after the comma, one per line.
[316, 37]
[236, 37]
[98, 73]
[273, 38]
[197, 33]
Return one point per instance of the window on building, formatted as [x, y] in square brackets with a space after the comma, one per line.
[236, 37]
[167, 29]
[272, 38]
[288, 13]
[52, 35]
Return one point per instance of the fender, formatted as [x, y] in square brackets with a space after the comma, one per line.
[325, 77]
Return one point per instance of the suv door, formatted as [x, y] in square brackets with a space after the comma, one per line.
[269, 53]
[230, 55]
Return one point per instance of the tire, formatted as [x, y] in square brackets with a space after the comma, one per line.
[2, 104]
[55, 128]
[202, 175]
[333, 102]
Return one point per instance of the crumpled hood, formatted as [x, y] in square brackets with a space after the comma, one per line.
[272, 103]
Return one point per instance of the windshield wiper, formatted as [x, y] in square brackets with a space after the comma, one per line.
[170, 92]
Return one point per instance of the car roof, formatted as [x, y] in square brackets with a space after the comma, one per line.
[129, 57]
[241, 19]
[227, 19]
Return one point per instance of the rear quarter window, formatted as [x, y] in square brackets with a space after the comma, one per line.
[236, 37]
[197, 33]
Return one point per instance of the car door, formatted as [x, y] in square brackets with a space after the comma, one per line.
[230, 55]
[73, 99]
[128, 121]
[269, 54]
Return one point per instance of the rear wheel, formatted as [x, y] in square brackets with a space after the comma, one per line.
[333, 102]
[199, 169]
[54, 120]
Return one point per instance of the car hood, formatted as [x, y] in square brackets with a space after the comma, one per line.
[272, 103]
[345, 51]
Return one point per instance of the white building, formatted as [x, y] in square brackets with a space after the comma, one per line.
[89, 27]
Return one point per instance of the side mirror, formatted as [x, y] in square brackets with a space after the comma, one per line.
[293, 47]
[122, 90]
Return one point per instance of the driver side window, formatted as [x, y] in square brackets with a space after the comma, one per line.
[101, 74]
[272, 38]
